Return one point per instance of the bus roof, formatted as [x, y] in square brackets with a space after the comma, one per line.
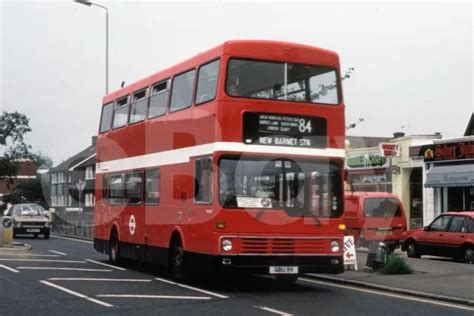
[261, 49]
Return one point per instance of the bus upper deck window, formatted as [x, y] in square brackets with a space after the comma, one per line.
[207, 82]
[106, 119]
[159, 99]
[139, 106]
[121, 113]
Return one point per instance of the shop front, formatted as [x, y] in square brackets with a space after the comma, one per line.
[450, 166]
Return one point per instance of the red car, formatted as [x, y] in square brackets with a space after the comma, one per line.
[449, 235]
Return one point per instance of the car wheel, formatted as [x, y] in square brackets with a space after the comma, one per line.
[177, 263]
[468, 255]
[46, 235]
[412, 250]
[35, 236]
[286, 279]
[114, 248]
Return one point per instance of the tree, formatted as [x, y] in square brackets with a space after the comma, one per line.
[13, 127]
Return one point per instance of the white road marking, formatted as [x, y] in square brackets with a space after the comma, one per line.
[29, 255]
[192, 288]
[9, 269]
[63, 269]
[107, 265]
[42, 260]
[73, 239]
[58, 252]
[272, 310]
[77, 294]
[156, 296]
[100, 279]
[401, 296]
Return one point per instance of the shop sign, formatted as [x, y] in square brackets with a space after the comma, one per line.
[450, 151]
[389, 150]
[366, 161]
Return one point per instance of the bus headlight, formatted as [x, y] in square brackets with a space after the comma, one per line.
[335, 246]
[226, 245]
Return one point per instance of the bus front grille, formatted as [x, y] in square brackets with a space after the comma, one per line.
[281, 246]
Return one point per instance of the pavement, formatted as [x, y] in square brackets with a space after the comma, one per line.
[433, 278]
[67, 276]
[17, 247]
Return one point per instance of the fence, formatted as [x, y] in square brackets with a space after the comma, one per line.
[74, 224]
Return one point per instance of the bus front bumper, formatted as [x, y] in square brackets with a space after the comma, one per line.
[261, 264]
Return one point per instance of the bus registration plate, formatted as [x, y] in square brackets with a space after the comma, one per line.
[283, 270]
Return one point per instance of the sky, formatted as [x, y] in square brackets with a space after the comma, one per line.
[413, 62]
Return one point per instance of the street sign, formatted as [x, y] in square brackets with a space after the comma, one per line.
[350, 258]
[81, 185]
[389, 150]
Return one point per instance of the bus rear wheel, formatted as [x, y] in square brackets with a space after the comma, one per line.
[114, 249]
[177, 263]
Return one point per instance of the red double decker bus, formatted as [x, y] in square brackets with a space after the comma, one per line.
[231, 159]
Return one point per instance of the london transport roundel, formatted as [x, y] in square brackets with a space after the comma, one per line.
[132, 225]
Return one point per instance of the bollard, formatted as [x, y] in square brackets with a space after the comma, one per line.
[377, 256]
[6, 233]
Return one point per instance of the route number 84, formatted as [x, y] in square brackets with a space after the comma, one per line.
[305, 126]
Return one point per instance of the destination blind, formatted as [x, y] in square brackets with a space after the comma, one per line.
[284, 130]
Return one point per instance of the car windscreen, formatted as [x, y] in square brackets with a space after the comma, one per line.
[382, 207]
[27, 210]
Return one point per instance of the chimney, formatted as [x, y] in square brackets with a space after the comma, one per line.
[94, 140]
[398, 134]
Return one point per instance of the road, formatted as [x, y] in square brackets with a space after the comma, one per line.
[68, 277]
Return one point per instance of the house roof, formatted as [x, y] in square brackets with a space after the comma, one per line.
[470, 127]
[75, 159]
[87, 162]
[366, 141]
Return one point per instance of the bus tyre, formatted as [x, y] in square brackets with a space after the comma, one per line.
[286, 279]
[177, 263]
[412, 250]
[114, 249]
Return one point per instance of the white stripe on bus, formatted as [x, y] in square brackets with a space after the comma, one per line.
[184, 155]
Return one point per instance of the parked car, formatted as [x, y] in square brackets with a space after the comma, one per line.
[449, 235]
[29, 219]
[374, 216]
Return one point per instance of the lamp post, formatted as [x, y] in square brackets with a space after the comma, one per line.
[89, 3]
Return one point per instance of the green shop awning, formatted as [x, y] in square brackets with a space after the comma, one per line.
[450, 176]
